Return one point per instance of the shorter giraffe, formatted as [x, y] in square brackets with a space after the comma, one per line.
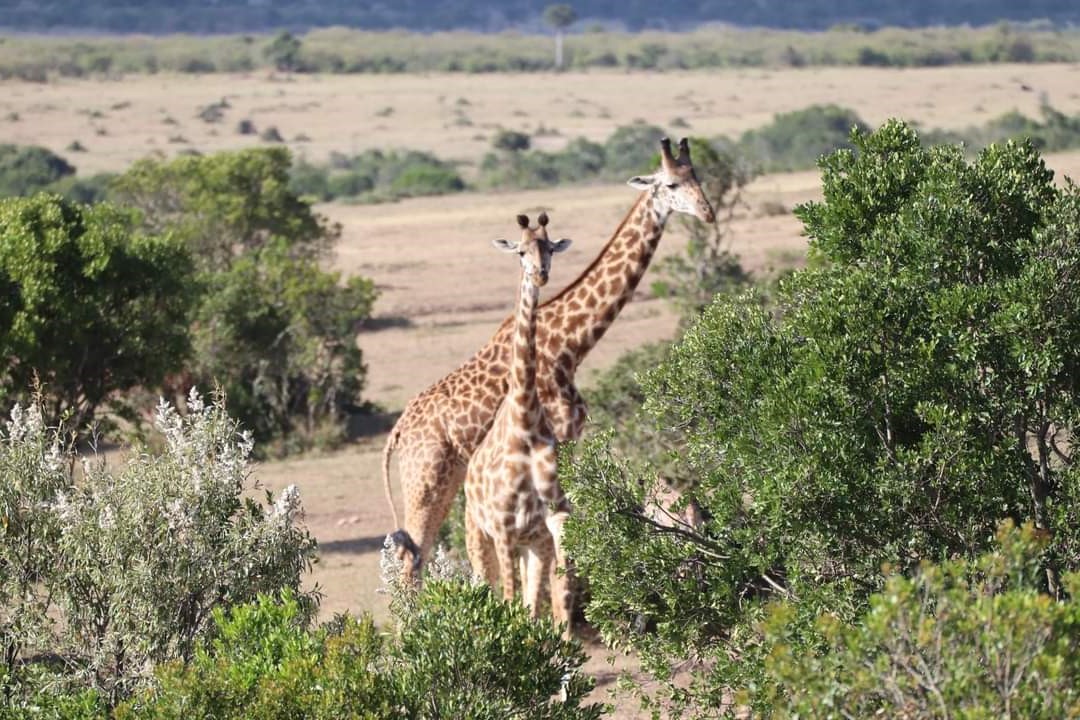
[513, 497]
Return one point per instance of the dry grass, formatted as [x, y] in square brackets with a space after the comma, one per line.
[347, 113]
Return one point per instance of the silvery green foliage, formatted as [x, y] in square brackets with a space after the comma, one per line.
[33, 471]
[138, 557]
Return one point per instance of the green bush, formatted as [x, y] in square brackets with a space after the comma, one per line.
[272, 328]
[971, 639]
[263, 662]
[459, 651]
[510, 140]
[278, 334]
[25, 170]
[503, 665]
[912, 387]
[89, 305]
[417, 180]
[226, 204]
[112, 572]
[376, 176]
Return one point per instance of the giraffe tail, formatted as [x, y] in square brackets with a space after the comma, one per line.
[388, 451]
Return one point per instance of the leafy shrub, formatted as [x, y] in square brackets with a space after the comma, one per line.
[631, 148]
[88, 304]
[506, 665]
[459, 651]
[26, 169]
[913, 386]
[263, 662]
[88, 190]
[225, 204]
[272, 328]
[417, 180]
[111, 573]
[959, 639]
[279, 334]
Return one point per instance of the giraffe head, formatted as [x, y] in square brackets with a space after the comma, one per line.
[534, 249]
[674, 186]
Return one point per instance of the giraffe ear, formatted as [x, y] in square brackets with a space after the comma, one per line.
[561, 245]
[504, 245]
[641, 182]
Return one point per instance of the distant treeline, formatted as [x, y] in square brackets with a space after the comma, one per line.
[338, 50]
[225, 16]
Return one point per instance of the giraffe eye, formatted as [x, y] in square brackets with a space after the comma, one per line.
[672, 186]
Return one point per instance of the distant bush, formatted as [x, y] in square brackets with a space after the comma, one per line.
[510, 140]
[375, 175]
[627, 151]
[795, 140]
[339, 50]
[115, 571]
[272, 135]
[26, 169]
[90, 189]
[1054, 132]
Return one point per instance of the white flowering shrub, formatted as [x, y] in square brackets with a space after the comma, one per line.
[33, 473]
[133, 562]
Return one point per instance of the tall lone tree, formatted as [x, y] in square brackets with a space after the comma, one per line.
[560, 17]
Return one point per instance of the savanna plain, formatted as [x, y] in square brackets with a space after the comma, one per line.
[442, 289]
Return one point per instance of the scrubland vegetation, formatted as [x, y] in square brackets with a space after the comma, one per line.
[879, 449]
[879, 446]
[338, 50]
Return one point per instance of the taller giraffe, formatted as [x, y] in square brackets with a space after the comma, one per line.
[441, 427]
[513, 496]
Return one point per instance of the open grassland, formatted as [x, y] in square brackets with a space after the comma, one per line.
[456, 116]
[442, 288]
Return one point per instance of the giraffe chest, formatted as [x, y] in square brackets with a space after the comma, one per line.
[511, 482]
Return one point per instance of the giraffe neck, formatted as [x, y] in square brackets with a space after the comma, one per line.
[522, 393]
[582, 313]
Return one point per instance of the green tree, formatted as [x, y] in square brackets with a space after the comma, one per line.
[279, 335]
[970, 639]
[913, 386]
[559, 16]
[284, 52]
[225, 205]
[90, 305]
[276, 331]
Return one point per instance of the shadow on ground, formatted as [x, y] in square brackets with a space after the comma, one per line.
[353, 546]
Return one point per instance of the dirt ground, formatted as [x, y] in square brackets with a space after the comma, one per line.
[455, 115]
[443, 289]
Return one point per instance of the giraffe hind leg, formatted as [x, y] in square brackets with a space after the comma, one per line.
[431, 482]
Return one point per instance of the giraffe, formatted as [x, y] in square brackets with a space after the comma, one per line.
[440, 428]
[513, 496]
